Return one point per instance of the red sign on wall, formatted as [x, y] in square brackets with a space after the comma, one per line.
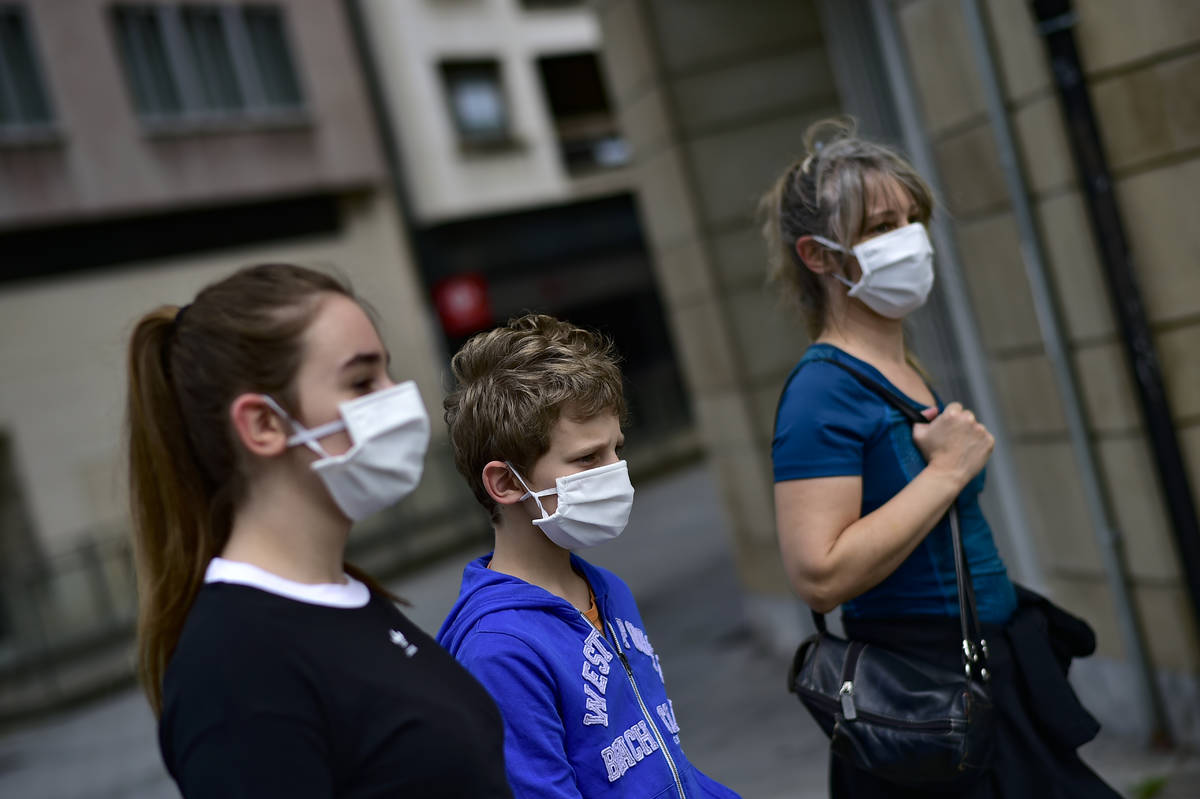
[462, 303]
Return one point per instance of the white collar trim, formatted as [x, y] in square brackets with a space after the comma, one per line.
[351, 594]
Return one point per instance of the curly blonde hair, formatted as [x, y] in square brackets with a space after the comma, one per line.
[514, 382]
[826, 193]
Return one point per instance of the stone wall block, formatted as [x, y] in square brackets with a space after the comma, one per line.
[740, 256]
[1075, 266]
[644, 122]
[1022, 56]
[1091, 600]
[969, 167]
[724, 418]
[766, 400]
[746, 474]
[1107, 389]
[995, 275]
[1169, 625]
[702, 340]
[734, 168]
[1160, 208]
[1042, 141]
[1137, 503]
[1150, 112]
[683, 272]
[1179, 353]
[942, 64]
[665, 201]
[1056, 508]
[1028, 395]
[766, 336]
[626, 59]
[693, 34]
[1113, 32]
[753, 89]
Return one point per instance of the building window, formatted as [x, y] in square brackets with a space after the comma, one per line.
[195, 63]
[24, 104]
[588, 136]
[477, 104]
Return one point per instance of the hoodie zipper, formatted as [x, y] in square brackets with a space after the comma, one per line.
[662, 744]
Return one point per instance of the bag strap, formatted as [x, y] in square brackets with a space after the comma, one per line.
[975, 649]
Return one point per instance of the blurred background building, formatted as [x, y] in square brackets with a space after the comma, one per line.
[465, 160]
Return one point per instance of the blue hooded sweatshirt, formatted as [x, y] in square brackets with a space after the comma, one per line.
[585, 714]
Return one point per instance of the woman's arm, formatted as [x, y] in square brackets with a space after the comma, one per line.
[832, 555]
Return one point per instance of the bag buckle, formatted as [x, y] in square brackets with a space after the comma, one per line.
[846, 697]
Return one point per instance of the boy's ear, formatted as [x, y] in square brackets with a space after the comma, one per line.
[257, 426]
[501, 485]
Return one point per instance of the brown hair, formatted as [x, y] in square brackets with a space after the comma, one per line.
[512, 384]
[826, 194]
[186, 476]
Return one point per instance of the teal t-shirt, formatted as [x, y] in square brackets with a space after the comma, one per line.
[830, 425]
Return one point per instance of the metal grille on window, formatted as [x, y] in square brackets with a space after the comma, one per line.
[207, 62]
[23, 100]
[277, 74]
[216, 78]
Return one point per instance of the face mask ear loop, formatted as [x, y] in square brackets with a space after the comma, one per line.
[528, 491]
[845, 281]
[302, 435]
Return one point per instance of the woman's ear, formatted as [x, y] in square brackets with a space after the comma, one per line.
[257, 426]
[814, 255]
[500, 483]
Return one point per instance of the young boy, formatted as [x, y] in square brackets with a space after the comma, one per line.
[535, 422]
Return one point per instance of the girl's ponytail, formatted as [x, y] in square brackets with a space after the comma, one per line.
[170, 509]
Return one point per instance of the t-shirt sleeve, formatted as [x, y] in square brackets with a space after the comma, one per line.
[535, 741]
[823, 424]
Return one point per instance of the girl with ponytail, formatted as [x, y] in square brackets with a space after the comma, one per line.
[262, 423]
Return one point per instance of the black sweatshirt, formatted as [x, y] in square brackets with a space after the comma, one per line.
[267, 696]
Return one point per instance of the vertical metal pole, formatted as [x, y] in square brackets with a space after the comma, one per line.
[1054, 341]
[958, 302]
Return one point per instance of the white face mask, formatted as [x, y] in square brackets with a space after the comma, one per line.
[389, 433]
[897, 270]
[593, 505]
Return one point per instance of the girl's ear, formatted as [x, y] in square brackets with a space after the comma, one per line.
[814, 255]
[258, 427]
[501, 485]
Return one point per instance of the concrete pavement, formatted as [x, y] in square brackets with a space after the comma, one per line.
[738, 723]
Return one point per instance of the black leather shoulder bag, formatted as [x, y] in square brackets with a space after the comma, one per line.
[898, 717]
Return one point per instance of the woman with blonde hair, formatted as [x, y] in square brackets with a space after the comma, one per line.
[862, 496]
[262, 423]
